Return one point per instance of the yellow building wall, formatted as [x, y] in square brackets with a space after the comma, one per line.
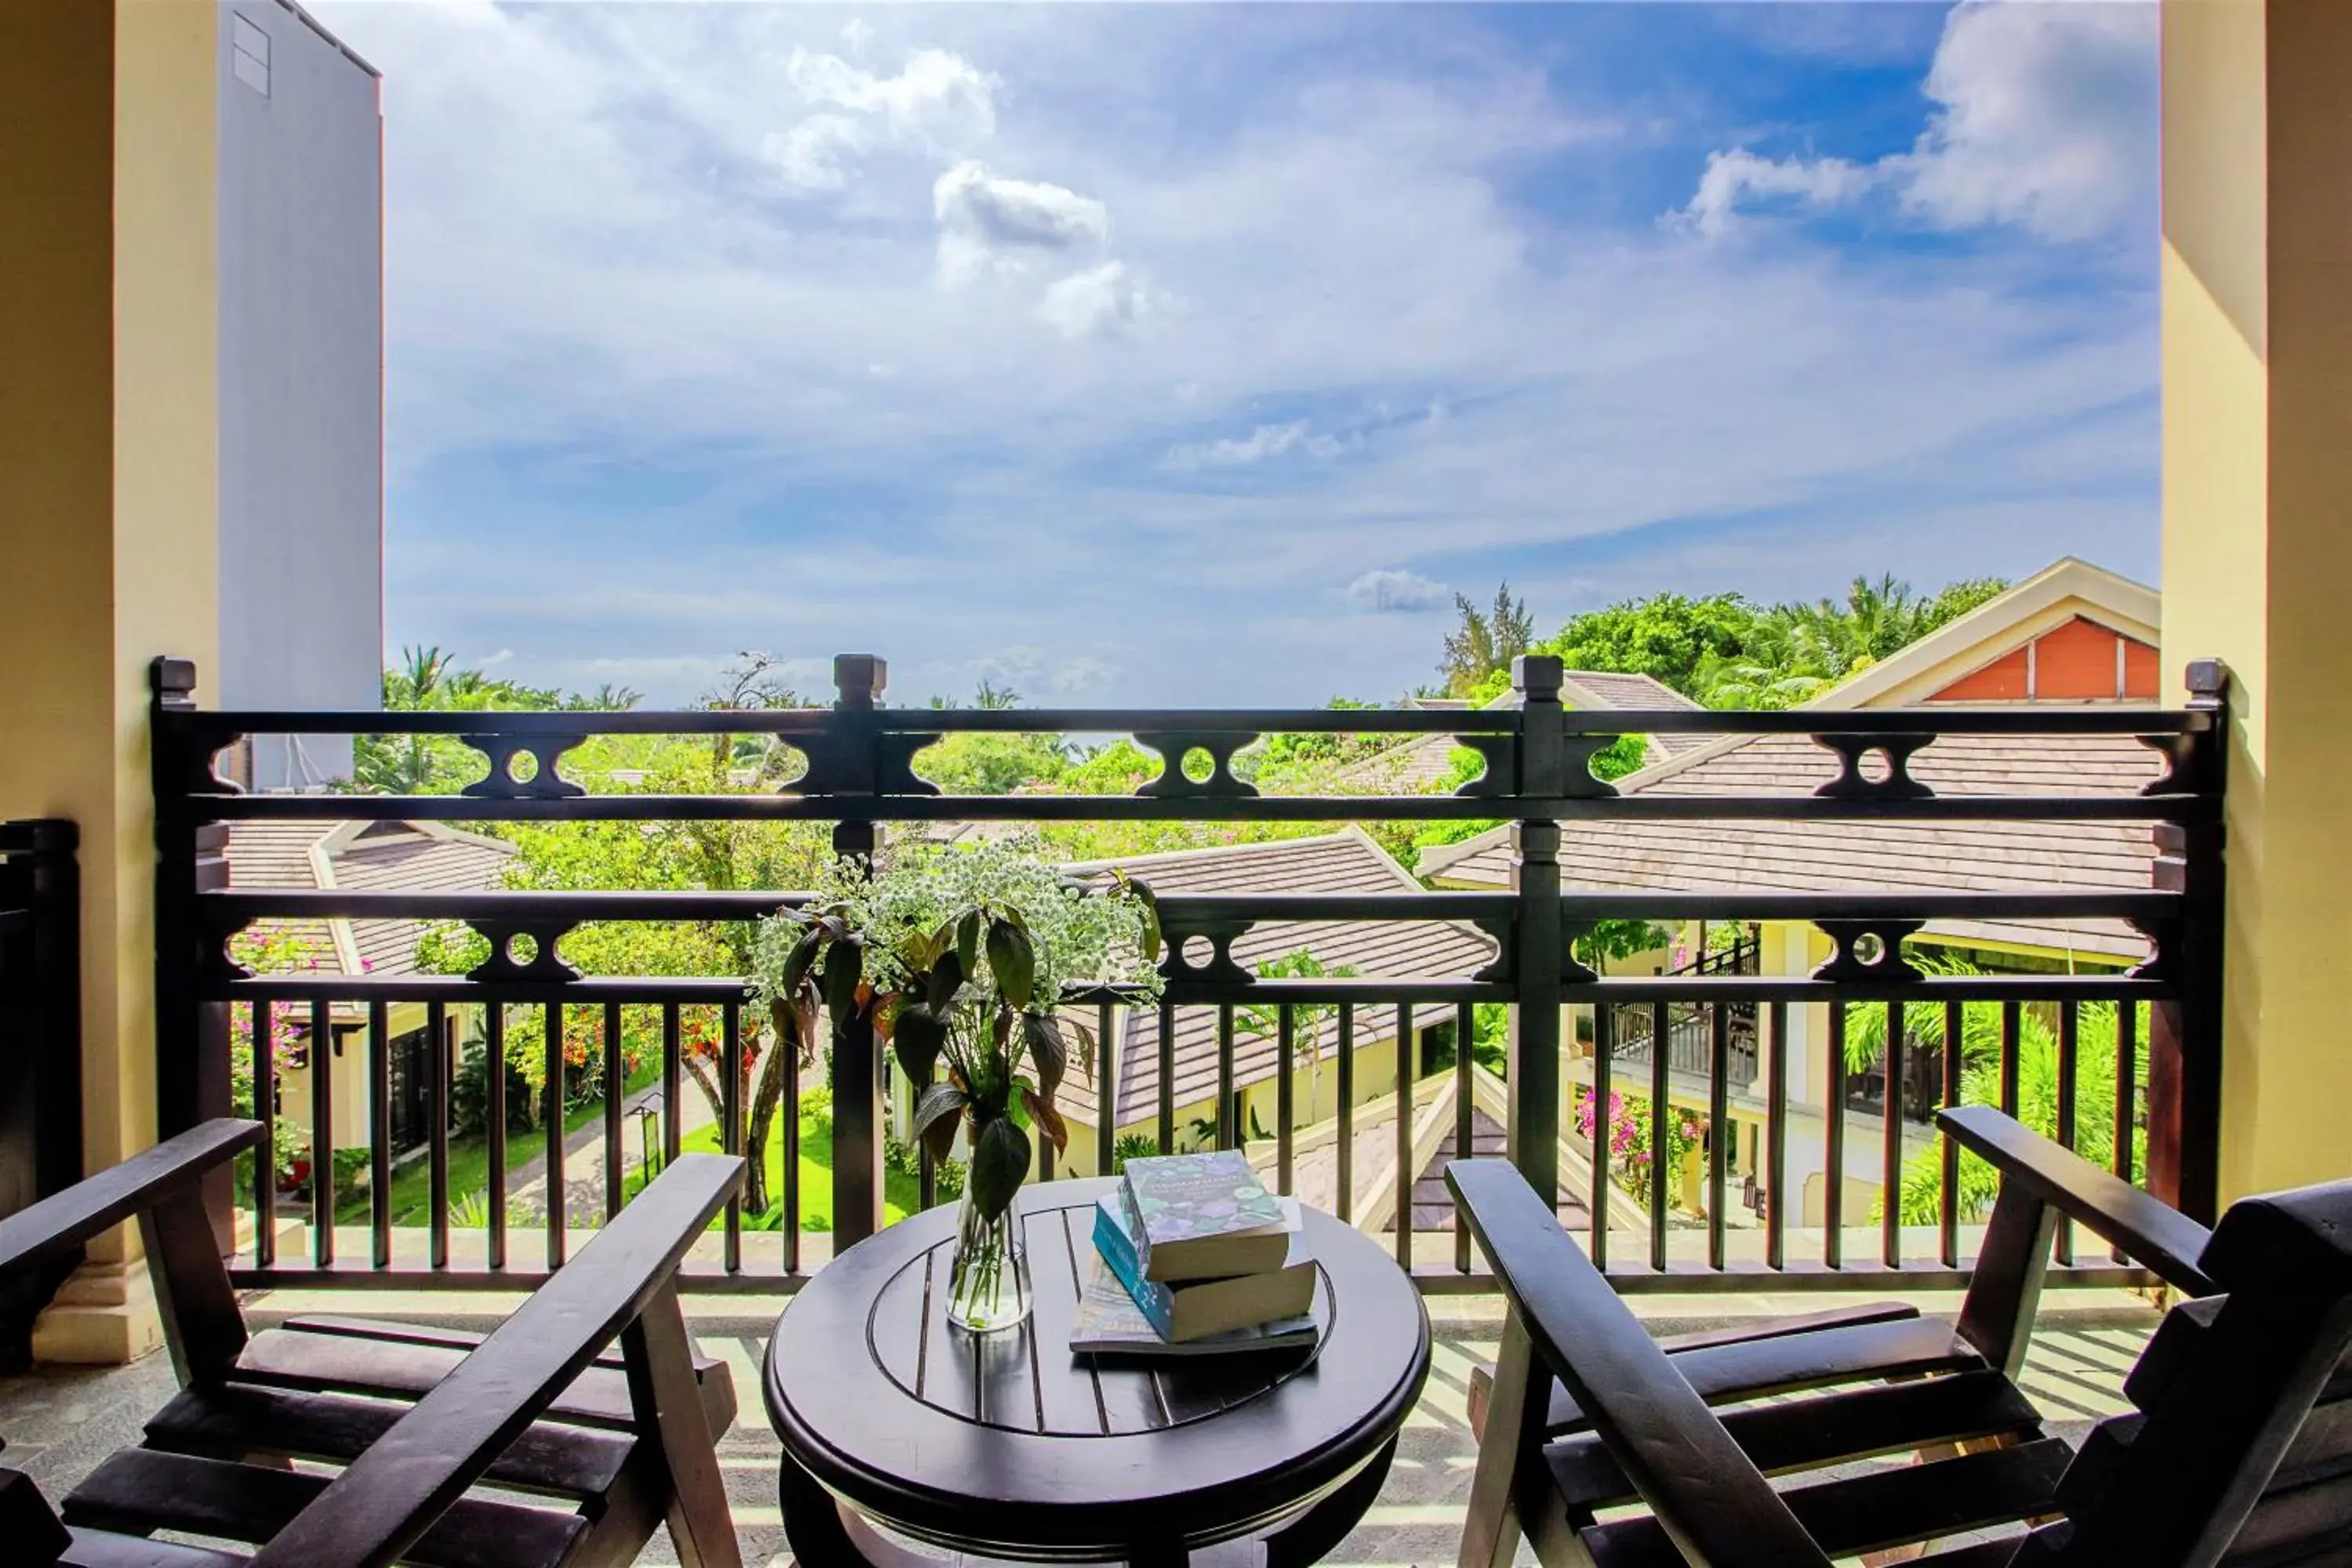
[2257, 555]
[109, 492]
[350, 1103]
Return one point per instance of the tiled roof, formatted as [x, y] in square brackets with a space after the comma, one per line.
[1420, 764]
[277, 855]
[1346, 862]
[1819, 856]
[386, 858]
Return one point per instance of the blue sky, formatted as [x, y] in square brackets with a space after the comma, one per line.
[1198, 353]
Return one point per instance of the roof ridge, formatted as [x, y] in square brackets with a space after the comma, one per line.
[1108, 863]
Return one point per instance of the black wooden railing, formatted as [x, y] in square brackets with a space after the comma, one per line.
[863, 773]
[40, 1044]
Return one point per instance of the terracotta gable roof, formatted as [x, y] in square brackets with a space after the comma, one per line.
[1344, 862]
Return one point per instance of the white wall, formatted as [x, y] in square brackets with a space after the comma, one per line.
[301, 371]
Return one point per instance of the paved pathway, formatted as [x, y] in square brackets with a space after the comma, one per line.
[584, 1157]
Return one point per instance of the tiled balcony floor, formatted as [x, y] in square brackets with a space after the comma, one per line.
[59, 1423]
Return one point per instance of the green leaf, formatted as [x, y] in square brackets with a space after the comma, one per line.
[942, 981]
[922, 951]
[844, 967]
[934, 1123]
[1047, 1049]
[1013, 961]
[797, 962]
[967, 944]
[1042, 1112]
[919, 1036]
[1147, 904]
[1000, 1163]
[1088, 1045]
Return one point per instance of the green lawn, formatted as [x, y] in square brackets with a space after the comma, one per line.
[469, 1173]
[469, 1166]
[901, 1193]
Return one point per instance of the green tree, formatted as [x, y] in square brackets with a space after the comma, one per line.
[1264, 1021]
[427, 680]
[754, 683]
[1485, 641]
[719, 856]
[990, 762]
[1666, 636]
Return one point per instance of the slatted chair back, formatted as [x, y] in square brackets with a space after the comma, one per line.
[2240, 1451]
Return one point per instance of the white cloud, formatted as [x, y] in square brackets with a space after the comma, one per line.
[1085, 673]
[1264, 442]
[2045, 119]
[1388, 591]
[1099, 301]
[984, 218]
[939, 103]
[814, 154]
[590, 276]
[1734, 178]
[937, 99]
[495, 660]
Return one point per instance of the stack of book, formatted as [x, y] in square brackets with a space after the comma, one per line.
[1195, 1257]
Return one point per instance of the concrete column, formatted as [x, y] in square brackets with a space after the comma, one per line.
[2257, 552]
[108, 393]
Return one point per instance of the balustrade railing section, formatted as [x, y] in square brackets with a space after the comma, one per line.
[1732, 1156]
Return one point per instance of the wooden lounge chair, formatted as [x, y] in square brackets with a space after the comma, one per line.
[616, 1444]
[2239, 1450]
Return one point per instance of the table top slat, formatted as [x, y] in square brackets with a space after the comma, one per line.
[896, 1338]
[1065, 1391]
[1006, 1375]
[950, 1375]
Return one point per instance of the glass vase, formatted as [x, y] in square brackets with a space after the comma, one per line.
[988, 1288]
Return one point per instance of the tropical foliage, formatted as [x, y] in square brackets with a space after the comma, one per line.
[1484, 643]
[429, 680]
[2096, 1088]
[1727, 652]
[1631, 1151]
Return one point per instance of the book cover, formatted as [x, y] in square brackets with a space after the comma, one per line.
[1191, 1310]
[1202, 1217]
[1108, 1322]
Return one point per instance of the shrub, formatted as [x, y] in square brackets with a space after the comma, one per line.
[469, 1095]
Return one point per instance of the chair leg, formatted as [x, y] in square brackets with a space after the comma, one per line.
[668, 1405]
[1997, 1314]
[1515, 1407]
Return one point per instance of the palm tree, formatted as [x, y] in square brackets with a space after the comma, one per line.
[1260, 1021]
[417, 682]
[2037, 1089]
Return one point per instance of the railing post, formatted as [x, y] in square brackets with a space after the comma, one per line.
[2184, 1046]
[858, 1113]
[1538, 937]
[40, 1054]
[192, 1044]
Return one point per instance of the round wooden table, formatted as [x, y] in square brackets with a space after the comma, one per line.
[1008, 1446]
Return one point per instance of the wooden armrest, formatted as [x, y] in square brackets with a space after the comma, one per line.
[2149, 1231]
[1714, 1504]
[101, 1202]
[375, 1511]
